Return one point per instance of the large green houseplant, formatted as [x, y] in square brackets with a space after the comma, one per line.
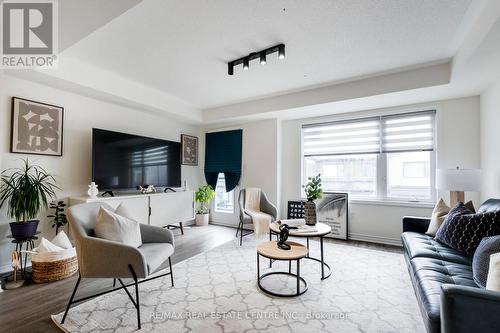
[25, 190]
[313, 192]
[204, 195]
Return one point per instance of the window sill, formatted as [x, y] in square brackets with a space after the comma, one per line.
[381, 202]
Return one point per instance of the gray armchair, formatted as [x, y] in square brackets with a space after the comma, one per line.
[265, 206]
[101, 258]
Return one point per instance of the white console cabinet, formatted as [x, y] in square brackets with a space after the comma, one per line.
[159, 209]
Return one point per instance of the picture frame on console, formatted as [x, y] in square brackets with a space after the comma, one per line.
[189, 149]
[36, 128]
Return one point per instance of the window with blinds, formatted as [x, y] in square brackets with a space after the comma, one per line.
[388, 157]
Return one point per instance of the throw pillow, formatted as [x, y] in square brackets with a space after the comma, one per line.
[124, 211]
[114, 227]
[47, 246]
[440, 212]
[463, 230]
[62, 240]
[438, 215]
[493, 282]
[481, 260]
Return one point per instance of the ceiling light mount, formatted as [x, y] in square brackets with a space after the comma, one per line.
[261, 55]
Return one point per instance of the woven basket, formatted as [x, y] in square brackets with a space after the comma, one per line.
[54, 266]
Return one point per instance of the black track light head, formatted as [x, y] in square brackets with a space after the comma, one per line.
[263, 58]
[245, 64]
[230, 68]
[281, 51]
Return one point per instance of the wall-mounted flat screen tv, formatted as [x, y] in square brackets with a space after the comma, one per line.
[125, 161]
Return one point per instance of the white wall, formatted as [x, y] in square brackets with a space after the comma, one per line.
[457, 144]
[73, 170]
[490, 142]
[259, 163]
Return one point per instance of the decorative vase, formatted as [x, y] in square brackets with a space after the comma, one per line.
[93, 190]
[201, 220]
[23, 230]
[310, 212]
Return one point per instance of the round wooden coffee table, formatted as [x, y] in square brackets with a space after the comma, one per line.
[321, 231]
[271, 251]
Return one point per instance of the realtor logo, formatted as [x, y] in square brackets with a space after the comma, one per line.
[29, 34]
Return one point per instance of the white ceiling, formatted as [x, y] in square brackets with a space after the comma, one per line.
[182, 47]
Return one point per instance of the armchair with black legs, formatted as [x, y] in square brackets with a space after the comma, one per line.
[245, 219]
[101, 258]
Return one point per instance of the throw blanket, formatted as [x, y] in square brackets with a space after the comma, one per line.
[260, 220]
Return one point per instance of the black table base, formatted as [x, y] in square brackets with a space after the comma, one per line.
[299, 291]
[325, 274]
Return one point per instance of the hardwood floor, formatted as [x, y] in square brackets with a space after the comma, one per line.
[28, 308]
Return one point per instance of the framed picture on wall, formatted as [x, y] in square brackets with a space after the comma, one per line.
[189, 147]
[333, 210]
[36, 128]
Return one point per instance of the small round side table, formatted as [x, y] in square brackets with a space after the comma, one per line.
[270, 250]
[29, 244]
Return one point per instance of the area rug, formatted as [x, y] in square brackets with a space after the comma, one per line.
[216, 291]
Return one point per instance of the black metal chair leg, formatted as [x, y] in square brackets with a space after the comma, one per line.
[71, 299]
[182, 228]
[114, 283]
[238, 229]
[171, 272]
[241, 234]
[138, 305]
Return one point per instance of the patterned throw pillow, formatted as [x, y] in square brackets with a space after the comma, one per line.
[481, 260]
[463, 230]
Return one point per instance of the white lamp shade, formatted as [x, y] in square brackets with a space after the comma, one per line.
[458, 179]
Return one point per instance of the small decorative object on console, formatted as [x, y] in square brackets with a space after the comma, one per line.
[15, 283]
[93, 190]
[313, 192]
[283, 236]
[145, 189]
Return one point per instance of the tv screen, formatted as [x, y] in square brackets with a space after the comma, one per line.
[124, 161]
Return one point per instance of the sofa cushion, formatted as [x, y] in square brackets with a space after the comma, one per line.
[463, 230]
[428, 277]
[420, 245]
[156, 254]
[481, 259]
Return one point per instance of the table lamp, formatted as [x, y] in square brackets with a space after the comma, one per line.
[457, 181]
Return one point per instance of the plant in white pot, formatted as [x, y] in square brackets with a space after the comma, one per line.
[313, 192]
[204, 195]
[25, 190]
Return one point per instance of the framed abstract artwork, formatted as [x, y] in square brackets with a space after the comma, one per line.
[36, 128]
[189, 147]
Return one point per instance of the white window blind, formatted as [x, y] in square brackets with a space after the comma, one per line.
[411, 132]
[395, 133]
[350, 137]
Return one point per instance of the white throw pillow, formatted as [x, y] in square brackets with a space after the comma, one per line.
[493, 281]
[439, 213]
[122, 210]
[114, 227]
[62, 240]
[47, 246]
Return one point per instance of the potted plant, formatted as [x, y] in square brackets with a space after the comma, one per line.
[313, 192]
[25, 191]
[204, 195]
[59, 218]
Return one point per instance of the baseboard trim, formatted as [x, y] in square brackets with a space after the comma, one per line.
[374, 239]
[352, 236]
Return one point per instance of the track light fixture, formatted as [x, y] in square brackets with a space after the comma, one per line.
[261, 55]
[262, 58]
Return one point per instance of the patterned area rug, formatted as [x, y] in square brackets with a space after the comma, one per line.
[216, 291]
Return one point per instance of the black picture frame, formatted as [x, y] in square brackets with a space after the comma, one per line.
[16, 127]
[189, 150]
